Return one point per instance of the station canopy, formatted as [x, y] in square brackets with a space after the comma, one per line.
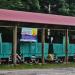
[31, 17]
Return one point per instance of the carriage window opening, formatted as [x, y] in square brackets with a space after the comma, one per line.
[72, 39]
[58, 37]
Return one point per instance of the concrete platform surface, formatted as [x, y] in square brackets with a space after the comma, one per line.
[56, 71]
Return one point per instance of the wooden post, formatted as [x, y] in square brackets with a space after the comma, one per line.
[66, 47]
[49, 41]
[14, 44]
[43, 40]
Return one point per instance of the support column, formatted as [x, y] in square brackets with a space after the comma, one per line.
[66, 47]
[43, 41]
[14, 44]
[49, 41]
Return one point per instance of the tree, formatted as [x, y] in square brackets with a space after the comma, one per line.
[24, 5]
[60, 7]
[72, 9]
[11, 4]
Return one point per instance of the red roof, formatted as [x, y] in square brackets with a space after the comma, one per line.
[21, 16]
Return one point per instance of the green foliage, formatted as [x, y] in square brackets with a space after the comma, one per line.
[36, 66]
[11, 4]
[29, 5]
[72, 9]
[62, 7]
[35, 5]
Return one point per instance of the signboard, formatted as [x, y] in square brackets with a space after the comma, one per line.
[29, 34]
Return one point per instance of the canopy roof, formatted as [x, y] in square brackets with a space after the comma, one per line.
[30, 17]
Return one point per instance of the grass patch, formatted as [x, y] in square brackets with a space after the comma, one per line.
[35, 66]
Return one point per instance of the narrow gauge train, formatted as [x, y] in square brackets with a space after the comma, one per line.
[27, 49]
